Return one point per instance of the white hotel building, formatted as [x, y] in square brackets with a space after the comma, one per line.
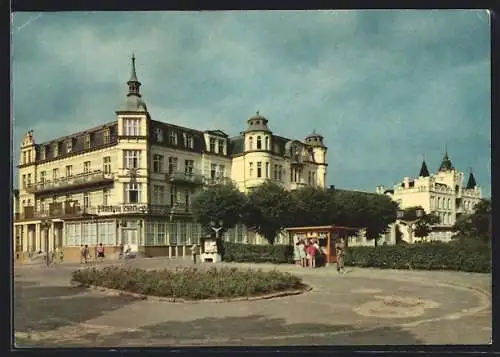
[131, 180]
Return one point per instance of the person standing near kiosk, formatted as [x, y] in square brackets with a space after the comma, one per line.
[340, 252]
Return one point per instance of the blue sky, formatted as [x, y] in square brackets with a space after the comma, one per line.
[383, 87]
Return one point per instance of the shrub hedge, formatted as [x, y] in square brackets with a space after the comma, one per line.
[250, 253]
[469, 257]
[460, 256]
[189, 283]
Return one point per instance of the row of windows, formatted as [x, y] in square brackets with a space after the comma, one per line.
[259, 145]
[158, 164]
[90, 233]
[69, 143]
[444, 217]
[217, 144]
[441, 202]
[446, 203]
[185, 233]
[277, 172]
[188, 139]
[106, 168]
[175, 195]
[177, 233]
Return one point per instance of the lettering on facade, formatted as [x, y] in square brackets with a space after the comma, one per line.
[129, 208]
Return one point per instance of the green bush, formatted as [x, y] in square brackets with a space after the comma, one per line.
[189, 283]
[250, 253]
[460, 256]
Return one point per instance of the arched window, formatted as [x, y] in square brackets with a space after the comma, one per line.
[259, 143]
[267, 143]
[250, 169]
[250, 143]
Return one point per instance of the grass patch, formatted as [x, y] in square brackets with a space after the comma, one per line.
[190, 283]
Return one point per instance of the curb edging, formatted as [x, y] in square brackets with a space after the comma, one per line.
[118, 292]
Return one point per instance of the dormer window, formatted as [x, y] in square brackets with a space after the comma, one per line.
[221, 147]
[158, 134]
[86, 142]
[173, 138]
[188, 140]
[212, 144]
[55, 149]
[69, 146]
[42, 152]
[106, 136]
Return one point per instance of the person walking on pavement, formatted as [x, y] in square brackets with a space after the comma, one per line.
[340, 253]
[194, 252]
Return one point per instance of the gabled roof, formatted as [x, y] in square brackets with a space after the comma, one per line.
[217, 133]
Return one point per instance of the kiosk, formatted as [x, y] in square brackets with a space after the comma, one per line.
[326, 237]
[210, 250]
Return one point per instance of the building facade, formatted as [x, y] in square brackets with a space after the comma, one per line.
[444, 193]
[131, 181]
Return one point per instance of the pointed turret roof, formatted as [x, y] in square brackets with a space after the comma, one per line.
[424, 171]
[133, 102]
[133, 82]
[471, 183]
[446, 164]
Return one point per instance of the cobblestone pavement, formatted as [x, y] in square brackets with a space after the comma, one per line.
[365, 306]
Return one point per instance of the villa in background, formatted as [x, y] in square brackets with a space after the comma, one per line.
[131, 181]
[444, 193]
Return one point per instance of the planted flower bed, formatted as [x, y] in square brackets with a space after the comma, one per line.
[190, 283]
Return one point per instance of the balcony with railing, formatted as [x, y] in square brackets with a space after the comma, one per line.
[82, 180]
[60, 210]
[212, 181]
[186, 177]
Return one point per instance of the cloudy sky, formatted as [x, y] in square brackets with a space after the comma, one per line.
[383, 87]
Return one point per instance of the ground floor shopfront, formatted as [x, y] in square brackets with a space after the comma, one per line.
[146, 235]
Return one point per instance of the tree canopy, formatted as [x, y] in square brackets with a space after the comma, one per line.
[423, 226]
[477, 225]
[219, 203]
[268, 210]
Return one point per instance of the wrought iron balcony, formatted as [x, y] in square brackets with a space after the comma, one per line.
[187, 177]
[87, 179]
[56, 210]
[212, 181]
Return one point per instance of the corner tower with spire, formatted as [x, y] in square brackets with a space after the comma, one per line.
[132, 114]
[133, 102]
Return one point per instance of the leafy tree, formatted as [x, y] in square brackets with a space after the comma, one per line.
[476, 225]
[311, 206]
[379, 211]
[219, 203]
[364, 210]
[423, 225]
[268, 210]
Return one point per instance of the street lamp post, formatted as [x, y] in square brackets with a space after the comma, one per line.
[45, 225]
[216, 227]
[410, 223]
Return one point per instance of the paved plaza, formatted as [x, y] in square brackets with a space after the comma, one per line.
[365, 306]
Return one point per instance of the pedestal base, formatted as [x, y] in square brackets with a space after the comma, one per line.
[210, 258]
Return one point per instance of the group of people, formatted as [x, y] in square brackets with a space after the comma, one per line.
[307, 253]
[85, 253]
